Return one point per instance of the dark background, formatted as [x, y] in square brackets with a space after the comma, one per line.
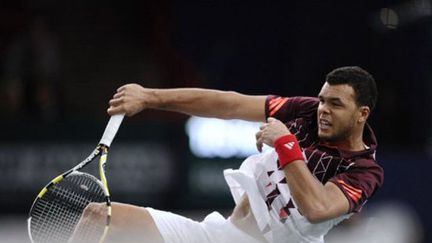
[62, 61]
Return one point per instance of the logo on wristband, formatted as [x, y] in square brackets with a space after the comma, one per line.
[289, 145]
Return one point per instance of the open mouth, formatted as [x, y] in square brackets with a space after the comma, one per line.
[324, 124]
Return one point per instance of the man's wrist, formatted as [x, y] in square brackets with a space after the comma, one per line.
[288, 150]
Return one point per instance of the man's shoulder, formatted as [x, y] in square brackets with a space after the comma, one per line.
[369, 164]
[289, 108]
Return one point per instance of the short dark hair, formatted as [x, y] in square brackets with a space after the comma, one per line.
[363, 83]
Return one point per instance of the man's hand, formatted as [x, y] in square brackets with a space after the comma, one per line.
[130, 99]
[269, 132]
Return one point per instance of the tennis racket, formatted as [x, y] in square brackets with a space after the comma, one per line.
[58, 207]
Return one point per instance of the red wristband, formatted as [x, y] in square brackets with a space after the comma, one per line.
[288, 150]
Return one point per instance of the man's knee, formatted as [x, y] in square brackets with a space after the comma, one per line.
[95, 211]
[130, 214]
[91, 224]
[131, 223]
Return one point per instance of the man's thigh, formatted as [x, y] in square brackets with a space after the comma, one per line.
[213, 229]
[130, 223]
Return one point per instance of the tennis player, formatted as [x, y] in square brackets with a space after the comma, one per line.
[322, 168]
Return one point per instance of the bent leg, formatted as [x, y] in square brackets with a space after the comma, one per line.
[128, 224]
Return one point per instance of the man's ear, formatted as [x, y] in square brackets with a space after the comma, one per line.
[364, 113]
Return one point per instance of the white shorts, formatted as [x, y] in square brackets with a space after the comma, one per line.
[213, 229]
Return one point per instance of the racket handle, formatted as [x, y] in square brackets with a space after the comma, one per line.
[111, 129]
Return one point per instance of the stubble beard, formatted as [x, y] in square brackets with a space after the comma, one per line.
[340, 136]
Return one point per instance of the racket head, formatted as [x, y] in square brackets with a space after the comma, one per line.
[57, 210]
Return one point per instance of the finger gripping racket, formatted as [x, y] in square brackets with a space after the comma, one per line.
[59, 206]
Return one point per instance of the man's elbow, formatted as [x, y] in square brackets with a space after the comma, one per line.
[320, 211]
[315, 217]
[318, 214]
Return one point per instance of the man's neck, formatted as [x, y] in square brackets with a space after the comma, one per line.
[348, 145]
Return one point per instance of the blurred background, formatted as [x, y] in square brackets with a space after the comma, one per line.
[61, 61]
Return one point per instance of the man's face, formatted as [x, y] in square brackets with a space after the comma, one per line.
[338, 112]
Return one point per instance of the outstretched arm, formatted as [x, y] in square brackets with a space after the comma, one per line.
[316, 201]
[133, 98]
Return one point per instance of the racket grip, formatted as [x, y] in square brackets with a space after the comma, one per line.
[111, 129]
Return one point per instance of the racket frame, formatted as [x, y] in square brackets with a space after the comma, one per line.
[102, 151]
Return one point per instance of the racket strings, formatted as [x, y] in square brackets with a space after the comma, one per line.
[56, 214]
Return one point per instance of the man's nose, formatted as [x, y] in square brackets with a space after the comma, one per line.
[323, 109]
